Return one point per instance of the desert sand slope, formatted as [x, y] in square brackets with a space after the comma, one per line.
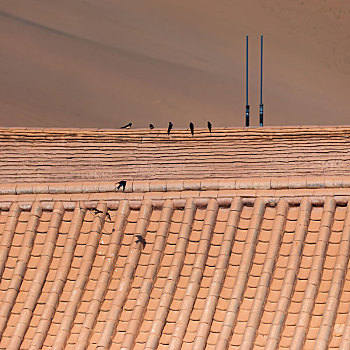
[101, 64]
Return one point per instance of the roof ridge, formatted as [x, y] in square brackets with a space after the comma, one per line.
[179, 129]
[138, 186]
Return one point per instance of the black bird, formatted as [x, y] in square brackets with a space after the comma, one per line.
[170, 127]
[141, 240]
[151, 126]
[96, 211]
[192, 128]
[108, 216]
[121, 184]
[209, 126]
[127, 126]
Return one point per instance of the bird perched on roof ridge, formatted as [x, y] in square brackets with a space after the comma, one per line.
[151, 126]
[170, 127]
[192, 128]
[141, 240]
[121, 184]
[127, 126]
[209, 126]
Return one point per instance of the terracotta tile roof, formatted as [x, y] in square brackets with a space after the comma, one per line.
[54, 155]
[241, 262]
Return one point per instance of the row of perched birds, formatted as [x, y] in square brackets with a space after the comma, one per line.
[170, 126]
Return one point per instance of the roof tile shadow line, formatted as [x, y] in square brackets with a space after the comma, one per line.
[126, 279]
[242, 276]
[81, 280]
[219, 275]
[104, 277]
[314, 276]
[292, 269]
[149, 278]
[7, 236]
[38, 279]
[333, 298]
[196, 276]
[173, 276]
[20, 268]
[266, 276]
[60, 278]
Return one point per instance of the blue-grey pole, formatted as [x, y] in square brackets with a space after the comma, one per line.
[247, 103]
[261, 85]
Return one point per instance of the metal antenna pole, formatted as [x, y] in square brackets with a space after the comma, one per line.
[247, 103]
[261, 85]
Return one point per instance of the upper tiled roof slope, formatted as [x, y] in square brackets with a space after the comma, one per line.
[221, 269]
[35, 155]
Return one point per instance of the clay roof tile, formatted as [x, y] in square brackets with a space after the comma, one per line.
[268, 269]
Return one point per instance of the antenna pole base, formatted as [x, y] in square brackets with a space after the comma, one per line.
[261, 114]
[247, 115]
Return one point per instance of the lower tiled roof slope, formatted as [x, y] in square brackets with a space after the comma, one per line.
[54, 155]
[226, 265]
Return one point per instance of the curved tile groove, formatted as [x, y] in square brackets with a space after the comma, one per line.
[242, 276]
[38, 279]
[60, 279]
[196, 276]
[173, 276]
[315, 275]
[290, 276]
[333, 298]
[341, 266]
[81, 280]
[126, 279]
[265, 278]
[150, 275]
[104, 277]
[21, 265]
[219, 276]
[7, 236]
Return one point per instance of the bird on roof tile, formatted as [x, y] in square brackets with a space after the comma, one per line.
[192, 128]
[151, 126]
[121, 184]
[209, 126]
[127, 126]
[141, 240]
[96, 211]
[170, 127]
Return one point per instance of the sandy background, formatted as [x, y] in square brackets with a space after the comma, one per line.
[103, 63]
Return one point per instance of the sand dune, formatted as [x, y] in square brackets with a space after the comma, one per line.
[101, 64]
